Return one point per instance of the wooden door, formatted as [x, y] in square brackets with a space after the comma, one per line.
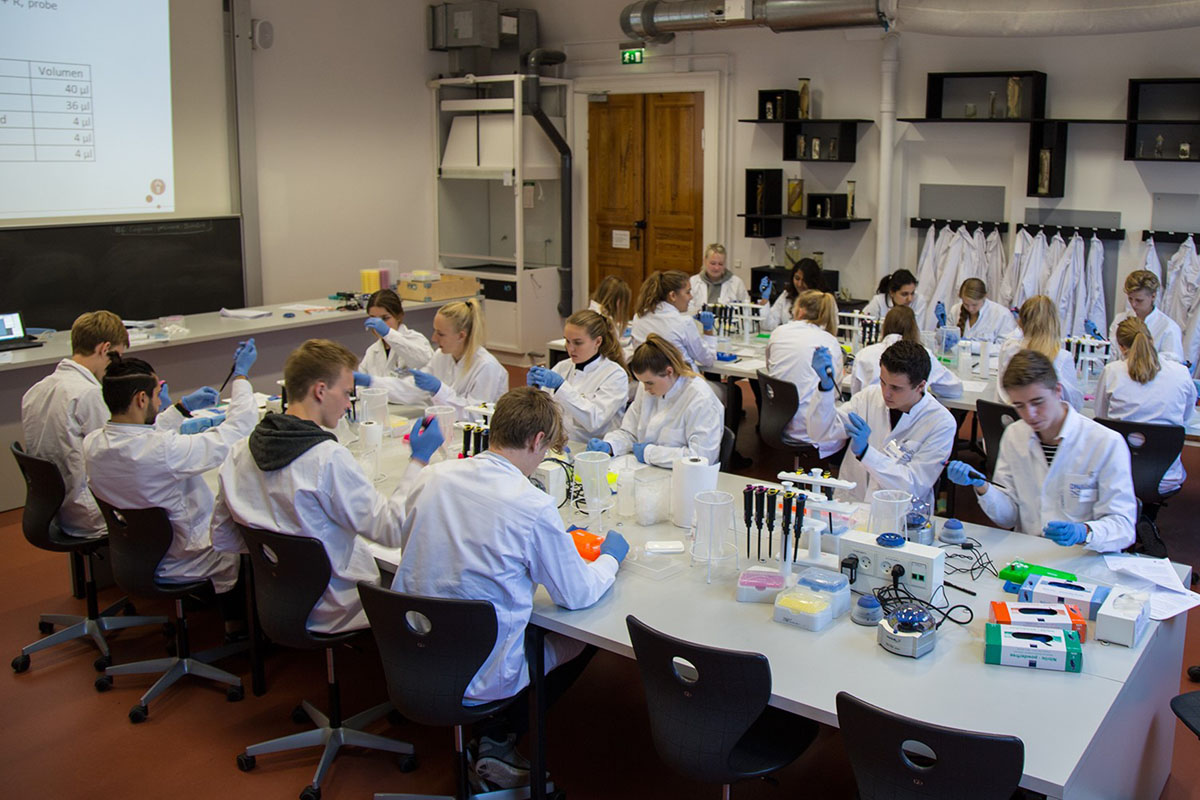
[645, 183]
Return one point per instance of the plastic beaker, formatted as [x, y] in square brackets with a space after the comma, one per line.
[652, 495]
[889, 511]
[592, 468]
[714, 517]
[373, 400]
[445, 419]
[947, 345]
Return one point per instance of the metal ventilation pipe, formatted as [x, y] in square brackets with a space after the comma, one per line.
[657, 20]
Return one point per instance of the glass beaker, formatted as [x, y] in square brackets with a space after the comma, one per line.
[889, 511]
[373, 405]
[592, 468]
[445, 419]
[712, 543]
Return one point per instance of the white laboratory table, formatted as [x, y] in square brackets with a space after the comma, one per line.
[201, 357]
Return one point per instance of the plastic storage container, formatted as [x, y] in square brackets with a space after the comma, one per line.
[804, 608]
[834, 584]
[759, 585]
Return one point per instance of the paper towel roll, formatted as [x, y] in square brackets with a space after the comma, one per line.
[688, 477]
[371, 433]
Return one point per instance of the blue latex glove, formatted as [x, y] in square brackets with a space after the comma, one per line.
[964, 474]
[1090, 328]
[639, 451]
[549, 378]
[598, 446]
[204, 397]
[362, 379]
[939, 311]
[859, 432]
[615, 545]
[426, 382]
[707, 320]
[1065, 533]
[377, 325]
[822, 364]
[199, 424]
[531, 377]
[764, 287]
[424, 441]
[164, 397]
[244, 357]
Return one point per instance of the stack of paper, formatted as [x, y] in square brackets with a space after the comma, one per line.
[1156, 577]
[245, 313]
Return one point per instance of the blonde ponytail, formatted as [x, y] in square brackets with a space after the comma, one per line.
[819, 308]
[466, 316]
[1038, 319]
[1142, 359]
[657, 287]
[655, 355]
[598, 326]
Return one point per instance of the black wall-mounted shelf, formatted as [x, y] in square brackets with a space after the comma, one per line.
[1168, 237]
[1165, 110]
[1104, 234]
[764, 203]
[948, 92]
[923, 223]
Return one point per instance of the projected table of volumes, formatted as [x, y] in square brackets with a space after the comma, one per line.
[46, 111]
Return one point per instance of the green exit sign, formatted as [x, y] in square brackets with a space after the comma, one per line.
[634, 55]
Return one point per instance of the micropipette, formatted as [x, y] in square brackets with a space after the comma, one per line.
[748, 501]
[772, 498]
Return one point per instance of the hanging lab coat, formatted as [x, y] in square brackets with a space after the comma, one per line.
[880, 304]
[995, 322]
[908, 457]
[993, 257]
[1168, 340]
[407, 350]
[864, 371]
[1011, 279]
[1064, 283]
[477, 529]
[138, 466]
[976, 265]
[687, 421]
[1034, 257]
[1183, 295]
[959, 260]
[680, 330]
[927, 263]
[1151, 263]
[1094, 308]
[1090, 481]
[789, 357]
[930, 266]
[323, 495]
[591, 398]
[1168, 399]
[778, 314]
[483, 382]
[732, 291]
[1064, 366]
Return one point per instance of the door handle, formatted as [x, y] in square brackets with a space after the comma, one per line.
[636, 233]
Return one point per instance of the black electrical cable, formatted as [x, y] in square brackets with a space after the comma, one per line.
[892, 597]
[978, 562]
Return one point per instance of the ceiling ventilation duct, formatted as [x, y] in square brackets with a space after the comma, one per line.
[658, 20]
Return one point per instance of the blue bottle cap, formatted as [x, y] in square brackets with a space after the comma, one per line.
[889, 540]
[953, 524]
[868, 601]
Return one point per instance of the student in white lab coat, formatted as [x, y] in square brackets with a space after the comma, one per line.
[789, 357]
[1039, 330]
[714, 283]
[591, 385]
[806, 274]
[292, 476]
[397, 347]
[131, 464]
[897, 289]
[1143, 388]
[899, 435]
[1058, 473]
[662, 306]
[674, 415]
[613, 299]
[462, 373]
[477, 529]
[978, 318]
[1141, 289]
[901, 324]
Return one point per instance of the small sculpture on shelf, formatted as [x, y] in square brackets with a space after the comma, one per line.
[804, 98]
[816, 148]
[829, 209]
[1185, 151]
[801, 146]
[992, 105]
[832, 148]
[1158, 146]
[769, 113]
[1043, 179]
[759, 188]
[1014, 97]
[795, 192]
[969, 111]
[850, 199]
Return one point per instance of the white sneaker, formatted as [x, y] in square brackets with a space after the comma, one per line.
[499, 764]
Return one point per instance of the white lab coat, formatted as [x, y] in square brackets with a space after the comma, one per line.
[1064, 283]
[688, 421]
[1169, 399]
[407, 349]
[789, 357]
[927, 263]
[880, 304]
[1151, 263]
[591, 398]
[1168, 340]
[1030, 257]
[1182, 298]
[995, 322]
[1094, 308]
[778, 314]
[909, 457]
[732, 291]
[994, 266]
[865, 370]
[1090, 481]
[483, 382]
[323, 495]
[138, 466]
[957, 265]
[1064, 366]
[680, 330]
[477, 529]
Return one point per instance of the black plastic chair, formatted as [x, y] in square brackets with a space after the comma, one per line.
[44, 493]
[993, 419]
[1152, 450]
[291, 574]
[431, 649]
[894, 756]
[708, 713]
[1187, 707]
[780, 399]
[138, 540]
[725, 456]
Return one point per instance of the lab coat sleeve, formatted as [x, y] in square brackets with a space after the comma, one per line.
[1172, 344]
[921, 472]
[351, 501]
[779, 313]
[998, 503]
[1115, 508]
[1104, 393]
[554, 562]
[943, 382]
[701, 349]
[223, 531]
[825, 421]
[413, 349]
[90, 412]
[200, 452]
[703, 427]
[602, 406]
[858, 377]
[623, 438]
[485, 386]
[168, 419]
[401, 390]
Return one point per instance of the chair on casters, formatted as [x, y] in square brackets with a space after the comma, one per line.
[44, 493]
[1152, 450]
[779, 403]
[138, 540]
[725, 455]
[708, 709]
[1187, 707]
[291, 574]
[895, 756]
[431, 649]
[993, 419]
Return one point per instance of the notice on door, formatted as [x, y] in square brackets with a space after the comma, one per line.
[620, 240]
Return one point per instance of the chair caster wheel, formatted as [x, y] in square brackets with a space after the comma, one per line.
[234, 694]
[245, 762]
[300, 716]
[20, 663]
[311, 793]
[102, 663]
[138, 714]
[1193, 672]
[103, 683]
[407, 762]
[130, 610]
[45, 627]
[396, 718]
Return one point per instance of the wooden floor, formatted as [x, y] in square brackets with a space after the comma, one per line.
[59, 738]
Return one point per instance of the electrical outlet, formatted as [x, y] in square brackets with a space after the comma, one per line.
[924, 566]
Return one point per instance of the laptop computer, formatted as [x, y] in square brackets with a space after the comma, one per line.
[12, 333]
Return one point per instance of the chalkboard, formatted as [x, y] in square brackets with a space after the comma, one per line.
[139, 271]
